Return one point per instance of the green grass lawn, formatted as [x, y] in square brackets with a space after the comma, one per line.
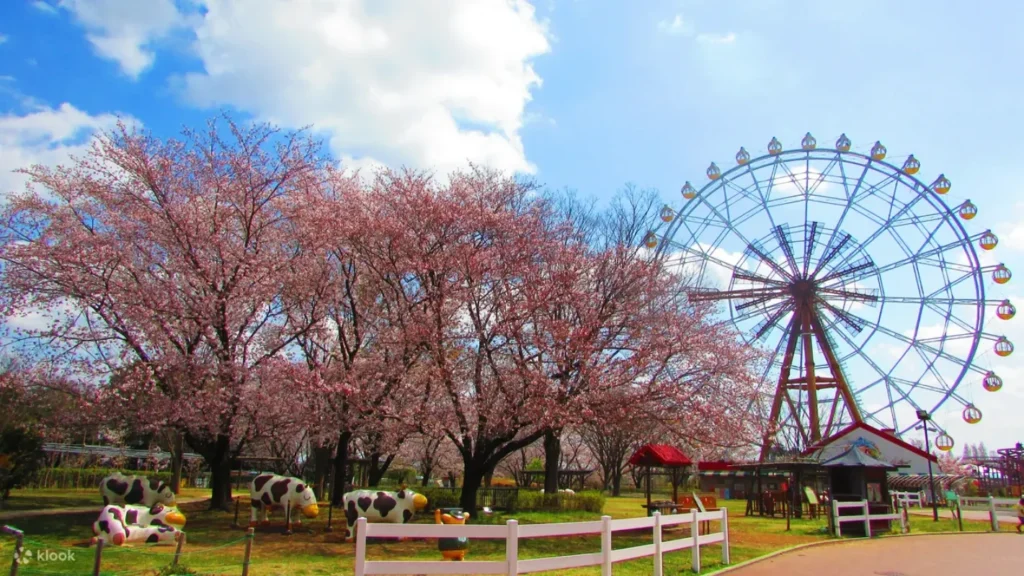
[215, 547]
[54, 498]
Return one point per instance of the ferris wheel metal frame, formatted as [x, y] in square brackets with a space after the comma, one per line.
[803, 281]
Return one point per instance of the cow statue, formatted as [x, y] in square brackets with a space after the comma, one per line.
[120, 489]
[394, 507]
[118, 526]
[290, 494]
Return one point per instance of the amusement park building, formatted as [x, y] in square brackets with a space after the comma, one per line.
[879, 444]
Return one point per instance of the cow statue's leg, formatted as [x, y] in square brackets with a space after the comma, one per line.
[288, 517]
[254, 509]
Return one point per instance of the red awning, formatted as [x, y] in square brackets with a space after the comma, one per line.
[659, 456]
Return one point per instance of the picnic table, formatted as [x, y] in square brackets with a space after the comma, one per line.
[661, 506]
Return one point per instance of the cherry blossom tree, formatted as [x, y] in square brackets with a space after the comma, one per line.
[615, 329]
[166, 261]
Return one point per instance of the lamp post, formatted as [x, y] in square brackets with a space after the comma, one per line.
[924, 417]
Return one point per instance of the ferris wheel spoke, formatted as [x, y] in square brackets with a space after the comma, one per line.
[921, 257]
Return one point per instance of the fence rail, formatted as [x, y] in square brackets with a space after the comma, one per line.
[866, 517]
[909, 498]
[512, 533]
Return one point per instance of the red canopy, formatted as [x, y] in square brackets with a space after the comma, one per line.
[659, 456]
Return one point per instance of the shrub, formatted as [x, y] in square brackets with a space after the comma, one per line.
[583, 501]
[440, 497]
[70, 478]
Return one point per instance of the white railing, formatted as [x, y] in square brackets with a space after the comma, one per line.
[512, 533]
[866, 517]
[994, 506]
[909, 498]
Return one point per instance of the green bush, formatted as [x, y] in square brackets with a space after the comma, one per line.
[400, 475]
[530, 500]
[439, 497]
[81, 478]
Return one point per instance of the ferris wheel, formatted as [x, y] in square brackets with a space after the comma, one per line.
[857, 279]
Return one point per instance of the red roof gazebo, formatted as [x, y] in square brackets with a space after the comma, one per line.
[660, 456]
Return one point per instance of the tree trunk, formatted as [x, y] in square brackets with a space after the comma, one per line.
[217, 454]
[426, 471]
[472, 477]
[177, 460]
[378, 468]
[321, 469]
[617, 482]
[552, 456]
[339, 484]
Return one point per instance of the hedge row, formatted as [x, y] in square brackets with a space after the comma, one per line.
[513, 500]
[84, 478]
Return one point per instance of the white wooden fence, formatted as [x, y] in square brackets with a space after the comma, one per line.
[992, 505]
[909, 498]
[512, 533]
[866, 517]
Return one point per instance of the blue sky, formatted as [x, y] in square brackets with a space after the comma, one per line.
[584, 94]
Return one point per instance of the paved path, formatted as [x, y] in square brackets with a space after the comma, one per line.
[17, 514]
[939, 555]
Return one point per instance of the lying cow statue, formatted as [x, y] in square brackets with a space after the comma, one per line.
[290, 494]
[131, 524]
[394, 507]
[120, 489]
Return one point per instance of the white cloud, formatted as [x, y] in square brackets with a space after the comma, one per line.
[717, 38]
[44, 136]
[676, 26]
[44, 7]
[122, 30]
[3, 38]
[424, 84]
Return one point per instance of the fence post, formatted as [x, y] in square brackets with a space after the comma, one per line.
[98, 560]
[695, 555]
[235, 525]
[512, 547]
[992, 514]
[906, 517]
[903, 520]
[330, 511]
[606, 546]
[657, 544]
[19, 549]
[835, 515]
[867, 519]
[180, 538]
[725, 535]
[360, 529]
[249, 535]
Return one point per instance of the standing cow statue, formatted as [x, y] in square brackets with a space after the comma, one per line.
[394, 507]
[120, 489]
[132, 524]
[290, 494]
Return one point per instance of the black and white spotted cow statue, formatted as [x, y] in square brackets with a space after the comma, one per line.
[394, 507]
[120, 489]
[131, 524]
[289, 494]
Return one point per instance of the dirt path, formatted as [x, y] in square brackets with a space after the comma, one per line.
[900, 556]
[17, 514]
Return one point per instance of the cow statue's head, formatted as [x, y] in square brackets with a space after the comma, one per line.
[165, 516]
[164, 494]
[419, 501]
[307, 501]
